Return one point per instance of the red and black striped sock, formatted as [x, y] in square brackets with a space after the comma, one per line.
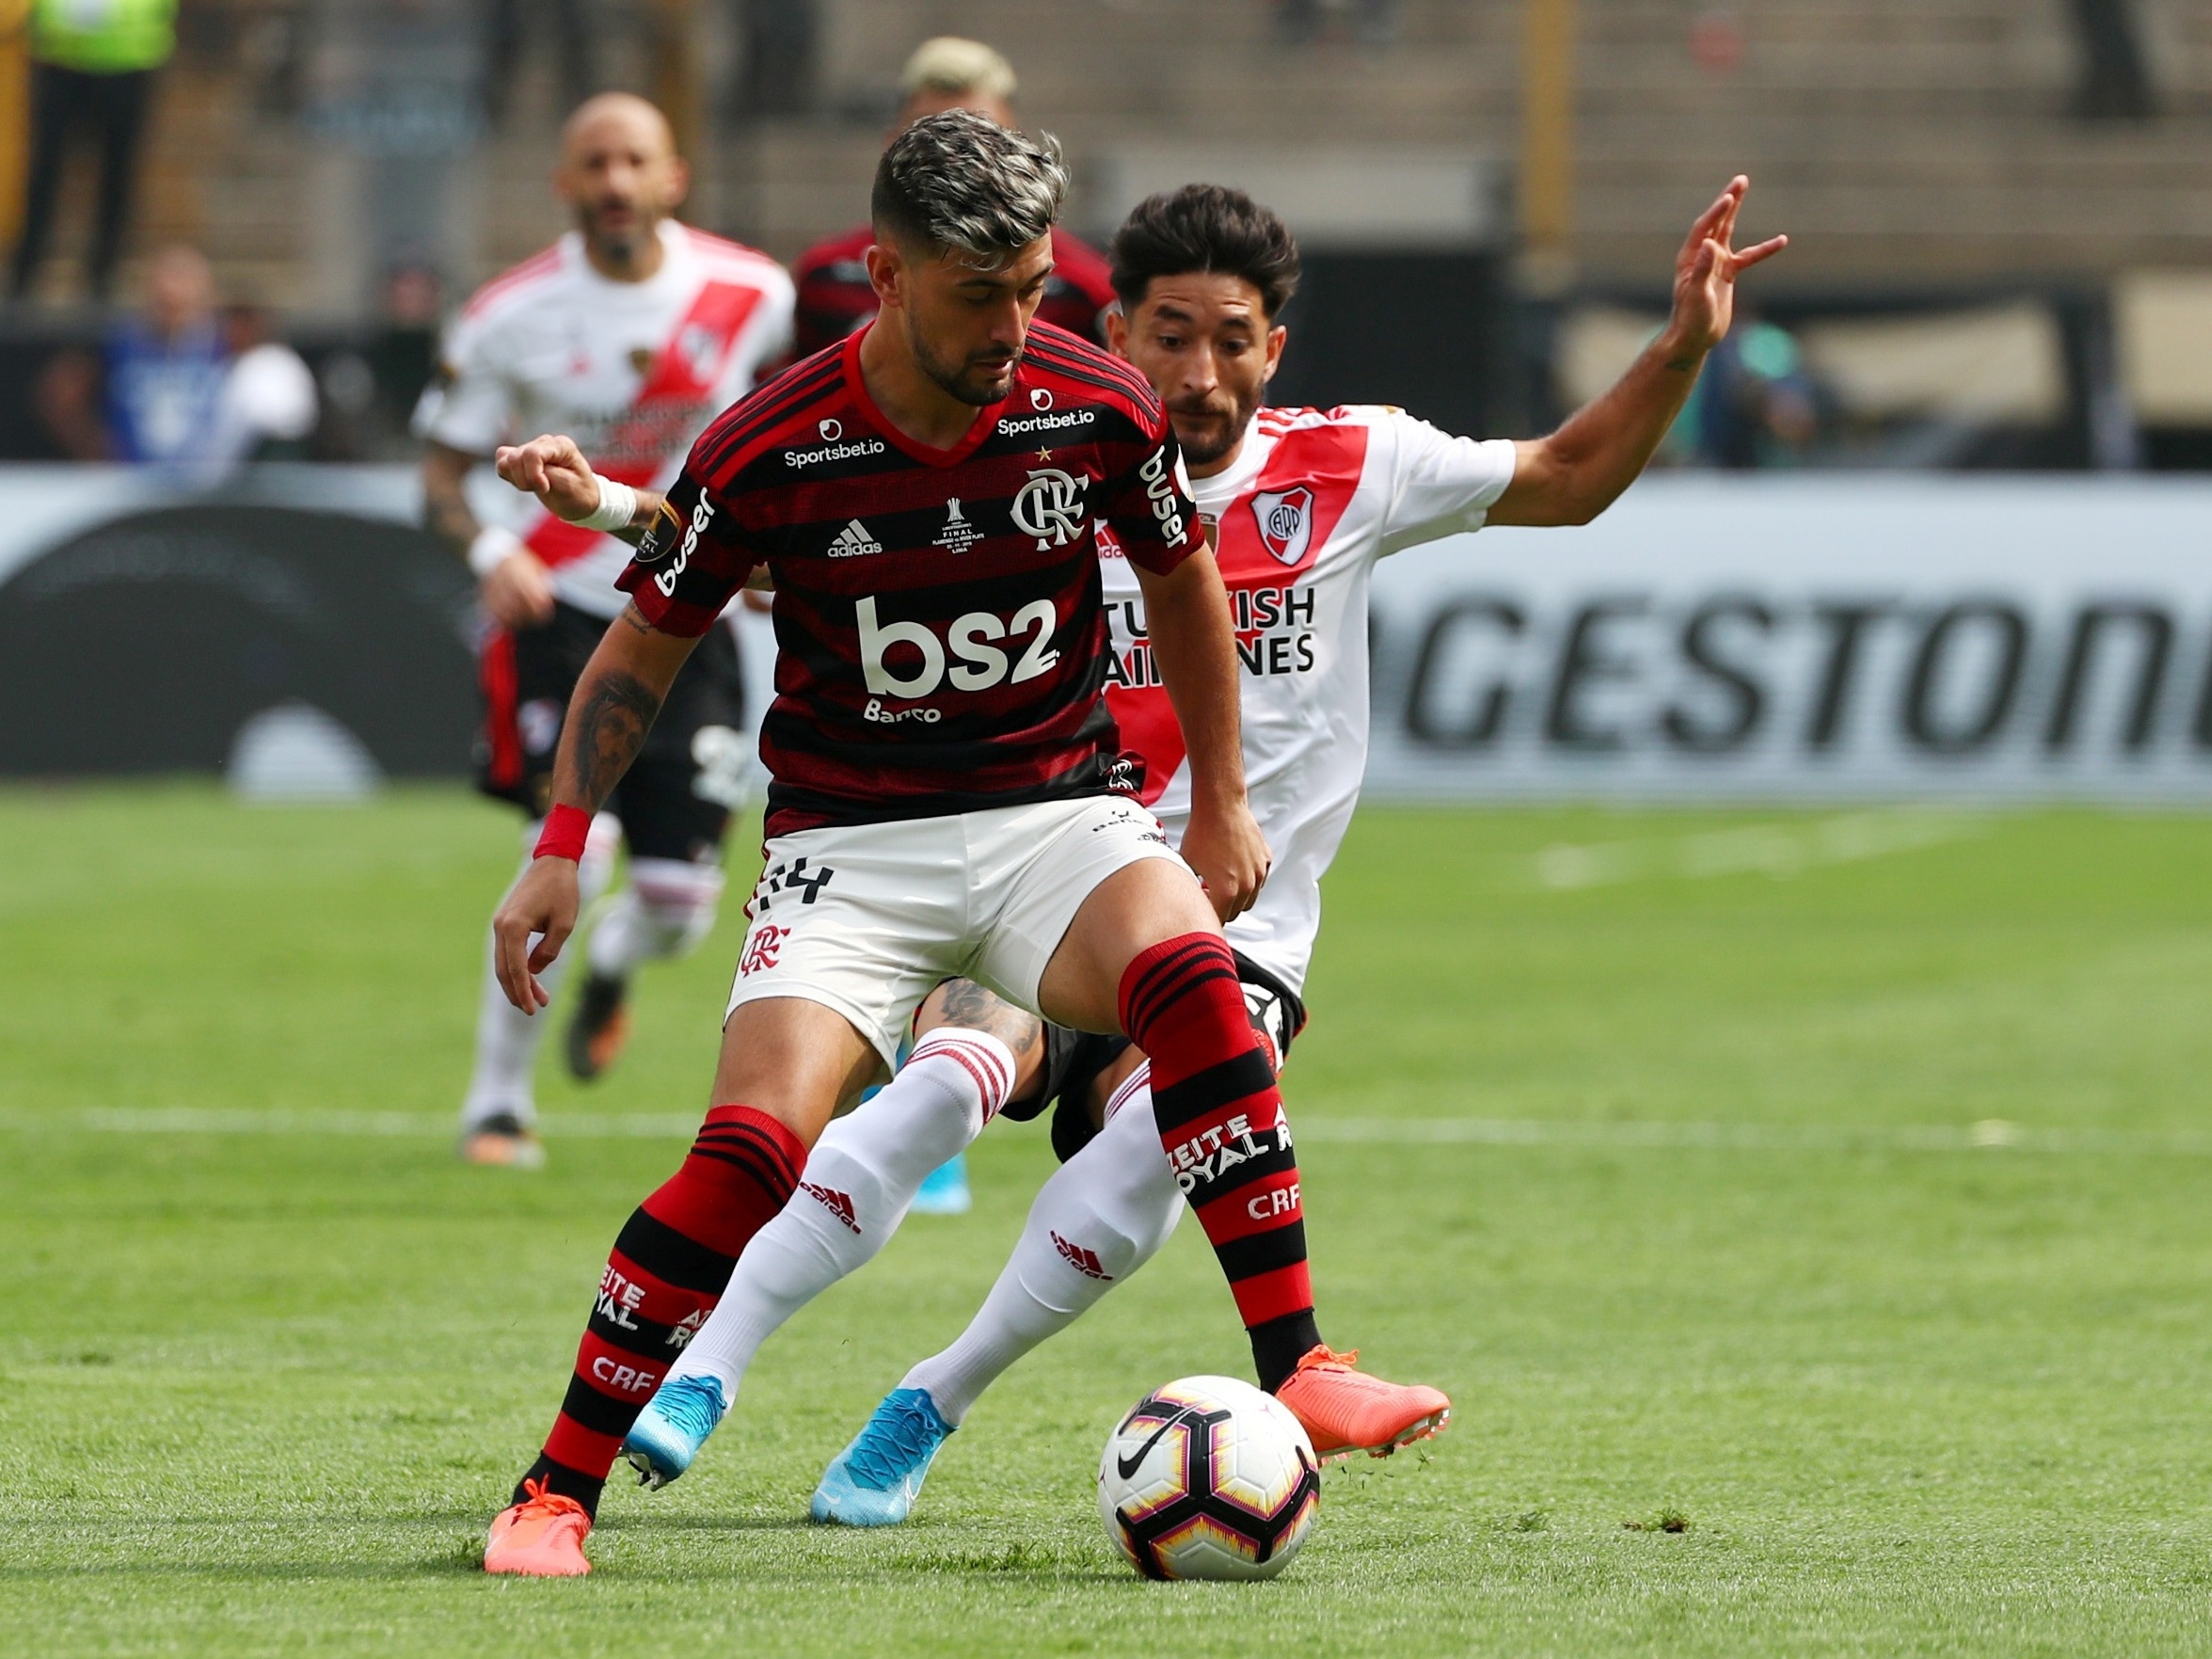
[1221, 1123]
[670, 1267]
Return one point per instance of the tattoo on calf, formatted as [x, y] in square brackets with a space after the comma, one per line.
[609, 730]
[967, 1004]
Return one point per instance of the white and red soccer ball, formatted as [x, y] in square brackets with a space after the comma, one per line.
[1209, 1477]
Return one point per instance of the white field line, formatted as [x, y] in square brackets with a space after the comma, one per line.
[1781, 851]
[1991, 1135]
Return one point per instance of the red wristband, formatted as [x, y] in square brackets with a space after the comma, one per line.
[567, 829]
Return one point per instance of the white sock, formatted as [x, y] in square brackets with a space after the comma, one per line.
[1104, 1214]
[858, 1182]
[506, 1038]
[667, 908]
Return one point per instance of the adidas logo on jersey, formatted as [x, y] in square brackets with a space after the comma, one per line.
[853, 542]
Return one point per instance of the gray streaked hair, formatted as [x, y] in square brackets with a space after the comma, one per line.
[959, 182]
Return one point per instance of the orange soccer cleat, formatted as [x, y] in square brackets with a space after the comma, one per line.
[601, 1028]
[503, 1141]
[1345, 1411]
[542, 1537]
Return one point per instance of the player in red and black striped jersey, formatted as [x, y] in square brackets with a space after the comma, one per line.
[941, 641]
[946, 798]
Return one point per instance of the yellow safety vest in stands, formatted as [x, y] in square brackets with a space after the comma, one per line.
[103, 37]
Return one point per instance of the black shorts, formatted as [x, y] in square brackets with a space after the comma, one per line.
[674, 802]
[1072, 1059]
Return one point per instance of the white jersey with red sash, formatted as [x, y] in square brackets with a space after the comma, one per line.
[632, 371]
[1314, 498]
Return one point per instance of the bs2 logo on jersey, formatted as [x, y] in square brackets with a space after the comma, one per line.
[975, 663]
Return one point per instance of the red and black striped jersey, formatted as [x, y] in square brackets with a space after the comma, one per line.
[941, 646]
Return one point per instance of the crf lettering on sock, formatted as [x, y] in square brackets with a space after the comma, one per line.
[668, 1268]
[1220, 1123]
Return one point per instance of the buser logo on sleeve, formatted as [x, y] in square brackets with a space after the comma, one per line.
[1163, 489]
[666, 581]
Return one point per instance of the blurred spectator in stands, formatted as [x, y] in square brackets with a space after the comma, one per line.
[1754, 405]
[834, 296]
[394, 91]
[67, 399]
[777, 62]
[179, 386]
[152, 394]
[406, 350]
[1297, 23]
[569, 26]
[267, 407]
[165, 368]
[93, 64]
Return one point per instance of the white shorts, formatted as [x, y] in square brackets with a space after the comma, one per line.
[870, 918]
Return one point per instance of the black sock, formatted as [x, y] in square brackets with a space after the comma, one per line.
[564, 1481]
[1279, 1345]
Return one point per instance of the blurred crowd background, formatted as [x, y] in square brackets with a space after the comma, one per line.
[236, 224]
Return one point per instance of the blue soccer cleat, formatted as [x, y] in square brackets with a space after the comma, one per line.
[674, 1424]
[944, 1190]
[875, 1481]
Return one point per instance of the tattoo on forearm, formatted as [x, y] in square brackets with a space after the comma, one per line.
[967, 1004]
[609, 730]
[445, 513]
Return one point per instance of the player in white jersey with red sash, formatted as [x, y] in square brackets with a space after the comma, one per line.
[628, 334]
[1303, 502]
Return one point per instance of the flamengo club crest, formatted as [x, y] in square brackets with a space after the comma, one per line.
[1286, 521]
[1050, 507]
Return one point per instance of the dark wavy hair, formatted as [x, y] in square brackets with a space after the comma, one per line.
[1205, 227]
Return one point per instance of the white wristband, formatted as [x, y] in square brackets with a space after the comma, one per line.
[493, 547]
[618, 505]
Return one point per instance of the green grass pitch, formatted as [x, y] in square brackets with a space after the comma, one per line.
[1836, 1188]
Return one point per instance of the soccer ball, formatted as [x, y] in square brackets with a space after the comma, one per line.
[1209, 1477]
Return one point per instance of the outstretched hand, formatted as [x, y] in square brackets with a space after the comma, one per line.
[554, 470]
[531, 925]
[1707, 268]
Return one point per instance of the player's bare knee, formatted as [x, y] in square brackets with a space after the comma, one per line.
[796, 1059]
[1136, 907]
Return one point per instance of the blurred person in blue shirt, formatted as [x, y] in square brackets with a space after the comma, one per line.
[1754, 405]
[180, 388]
[165, 369]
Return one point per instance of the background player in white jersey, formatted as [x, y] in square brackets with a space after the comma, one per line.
[630, 334]
[1304, 501]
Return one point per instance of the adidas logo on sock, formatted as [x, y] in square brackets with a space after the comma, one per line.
[1084, 1261]
[853, 542]
[838, 1204]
